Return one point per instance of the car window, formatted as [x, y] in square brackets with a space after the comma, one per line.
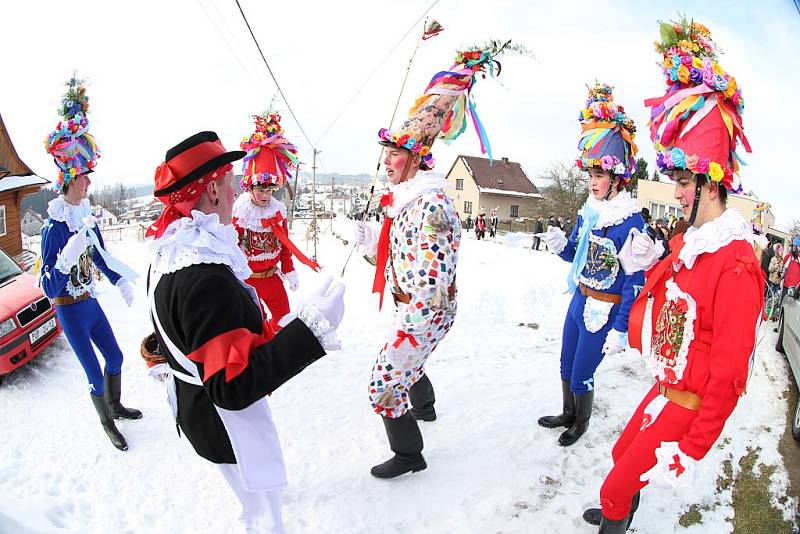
[8, 267]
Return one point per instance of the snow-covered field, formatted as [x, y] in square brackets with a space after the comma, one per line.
[491, 468]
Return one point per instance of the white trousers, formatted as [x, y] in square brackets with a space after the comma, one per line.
[261, 510]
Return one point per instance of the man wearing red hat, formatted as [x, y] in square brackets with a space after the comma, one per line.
[260, 218]
[221, 359]
[417, 253]
[707, 294]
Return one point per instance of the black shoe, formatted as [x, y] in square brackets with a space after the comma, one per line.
[594, 515]
[567, 416]
[422, 398]
[103, 412]
[583, 412]
[608, 526]
[113, 385]
[405, 441]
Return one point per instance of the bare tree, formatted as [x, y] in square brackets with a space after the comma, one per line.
[794, 227]
[565, 191]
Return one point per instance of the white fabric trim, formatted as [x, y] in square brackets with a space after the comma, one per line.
[658, 365]
[613, 212]
[715, 234]
[60, 210]
[595, 314]
[249, 215]
[196, 240]
[406, 192]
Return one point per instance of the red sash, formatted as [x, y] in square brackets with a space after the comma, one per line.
[379, 283]
[275, 224]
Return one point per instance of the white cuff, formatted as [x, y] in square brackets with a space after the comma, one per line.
[63, 265]
[319, 325]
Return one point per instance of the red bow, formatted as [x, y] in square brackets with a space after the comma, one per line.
[275, 224]
[402, 336]
[676, 466]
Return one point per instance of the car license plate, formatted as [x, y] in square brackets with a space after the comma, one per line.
[42, 330]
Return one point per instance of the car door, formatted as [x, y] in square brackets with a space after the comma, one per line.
[791, 332]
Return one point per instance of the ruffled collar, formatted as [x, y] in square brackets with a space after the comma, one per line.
[715, 234]
[614, 211]
[196, 240]
[60, 210]
[410, 190]
[249, 215]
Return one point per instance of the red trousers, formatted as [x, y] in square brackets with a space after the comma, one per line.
[272, 292]
[634, 453]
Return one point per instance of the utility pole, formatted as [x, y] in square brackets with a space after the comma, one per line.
[314, 201]
[333, 213]
[294, 195]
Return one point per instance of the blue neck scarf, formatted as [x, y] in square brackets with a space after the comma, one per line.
[590, 217]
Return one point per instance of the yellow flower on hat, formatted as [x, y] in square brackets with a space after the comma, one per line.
[667, 62]
[683, 74]
[731, 88]
[715, 171]
[697, 62]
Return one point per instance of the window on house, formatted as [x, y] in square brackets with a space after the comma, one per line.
[459, 184]
[2, 220]
[514, 210]
[467, 207]
[658, 210]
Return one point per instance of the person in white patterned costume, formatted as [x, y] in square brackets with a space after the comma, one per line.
[416, 255]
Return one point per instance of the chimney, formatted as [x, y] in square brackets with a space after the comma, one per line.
[505, 160]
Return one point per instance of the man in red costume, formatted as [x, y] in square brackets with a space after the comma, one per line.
[260, 218]
[707, 294]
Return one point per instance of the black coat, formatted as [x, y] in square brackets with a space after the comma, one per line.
[200, 303]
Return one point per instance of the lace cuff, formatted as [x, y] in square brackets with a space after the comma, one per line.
[319, 325]
[62, 264]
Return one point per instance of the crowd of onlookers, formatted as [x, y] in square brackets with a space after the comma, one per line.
[781, 269]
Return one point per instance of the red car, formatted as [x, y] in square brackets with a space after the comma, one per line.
[28, 320]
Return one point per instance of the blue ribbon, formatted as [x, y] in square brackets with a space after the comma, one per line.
[590, 217]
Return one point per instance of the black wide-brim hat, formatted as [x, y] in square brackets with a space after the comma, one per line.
[191, 159]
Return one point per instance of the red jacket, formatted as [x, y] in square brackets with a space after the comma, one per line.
[791, 271]
[262, 248]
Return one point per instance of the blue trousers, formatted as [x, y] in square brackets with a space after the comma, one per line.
[581, 350]
[83, 323]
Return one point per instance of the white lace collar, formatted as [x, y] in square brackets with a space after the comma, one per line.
[249, 215]
[195, 240]
[410, 190]
[60, 210]
[715, 234]
[613, 211]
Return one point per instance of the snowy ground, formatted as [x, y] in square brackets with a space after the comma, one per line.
[491, 468]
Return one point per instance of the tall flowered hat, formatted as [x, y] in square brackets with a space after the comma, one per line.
[606, 134]
[697, 124]
[73, 149]
[442, 110]
[270, 158]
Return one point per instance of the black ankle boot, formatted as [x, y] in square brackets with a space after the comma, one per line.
[609, 526]
[405, 441]
[113, 384]
[593, 515]
[567, 416]
[583, 412]
[104, 413]
[422, 397]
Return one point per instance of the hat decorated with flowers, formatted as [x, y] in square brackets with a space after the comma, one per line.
[606, 134]
[697, 124]
[442, 110]
[73, 149]
[270, 158]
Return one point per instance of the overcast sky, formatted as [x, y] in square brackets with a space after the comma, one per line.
[159, 71]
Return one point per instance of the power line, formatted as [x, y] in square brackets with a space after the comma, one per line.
[375, 70]
[288, 106]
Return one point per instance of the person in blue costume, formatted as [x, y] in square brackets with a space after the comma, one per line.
[597, 319]
[72, 247]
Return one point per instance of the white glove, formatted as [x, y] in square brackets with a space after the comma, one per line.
[126, 290]
[673, 468]
[366, 237]
[554, 238]
[291, 279]
[616, 341]
[639, 252]
[71, 253]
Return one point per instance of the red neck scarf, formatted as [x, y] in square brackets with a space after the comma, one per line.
[275, 223]
[379, 283]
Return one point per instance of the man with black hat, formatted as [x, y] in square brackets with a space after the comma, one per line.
[221, 362]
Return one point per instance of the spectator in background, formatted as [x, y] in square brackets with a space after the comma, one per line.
[538, 228]
[775, 271]
[568, 227]
[468, 222]
[766, 258]
[680, 227]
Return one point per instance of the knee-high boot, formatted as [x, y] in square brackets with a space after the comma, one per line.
[594, 515]
[107, 421]
[567, 416]
[422, 397]
[405, 441]
[610, 526]
[113, 385]
[583, 412]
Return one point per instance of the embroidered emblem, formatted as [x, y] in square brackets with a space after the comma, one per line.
[674, 332]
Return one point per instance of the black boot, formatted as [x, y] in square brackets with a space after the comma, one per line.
[405, 441]
[567, 416]
[609, 526]
[113, 384]
[583, 412]
[422, 398]
[104, 413]
[593, 515]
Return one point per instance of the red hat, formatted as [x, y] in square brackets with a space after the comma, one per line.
[197, 158]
